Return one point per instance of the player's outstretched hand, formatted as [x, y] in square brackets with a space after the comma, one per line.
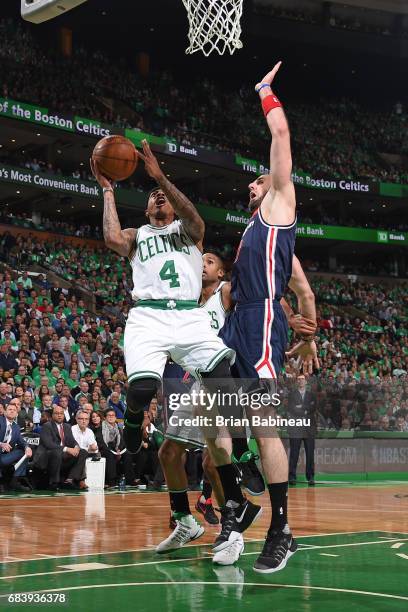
[268, 78]
[103, 181]
[150, 161]
[307, 354]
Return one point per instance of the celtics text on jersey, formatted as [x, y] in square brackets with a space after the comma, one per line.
[166, 264]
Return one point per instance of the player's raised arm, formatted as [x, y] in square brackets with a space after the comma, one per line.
[183, 207]
[119, 240]
[280, 155]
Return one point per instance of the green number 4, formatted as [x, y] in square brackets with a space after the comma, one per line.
[168, 273]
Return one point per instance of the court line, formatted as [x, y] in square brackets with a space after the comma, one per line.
[324, 546]
[397, 545]
[348, 508]
[122, 565]
[402, 555]
[217, 583]
[80, 495]
[152, 548]
[159, 562]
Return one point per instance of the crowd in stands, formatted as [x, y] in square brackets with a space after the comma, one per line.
[354, 23]
[329, 138]
[363, 349]
[66, 228]
[285, 12]
[62, 367]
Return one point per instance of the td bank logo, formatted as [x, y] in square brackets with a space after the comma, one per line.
[382, 236]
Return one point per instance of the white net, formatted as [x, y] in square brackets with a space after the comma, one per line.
[214, 25]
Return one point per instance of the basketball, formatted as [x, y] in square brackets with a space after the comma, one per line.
[116, 157]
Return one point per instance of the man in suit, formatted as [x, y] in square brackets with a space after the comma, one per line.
[4, 395]
[69, 411]
[13, 447]
[26, 414]
[7, 359]
[302, 405]
[59, 453]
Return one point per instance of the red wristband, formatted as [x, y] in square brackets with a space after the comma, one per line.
[270, 102]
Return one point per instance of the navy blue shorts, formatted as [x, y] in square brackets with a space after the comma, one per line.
[258, 332]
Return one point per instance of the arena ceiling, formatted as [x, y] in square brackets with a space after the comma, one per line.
[392, 6]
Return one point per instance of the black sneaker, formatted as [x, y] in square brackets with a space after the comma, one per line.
[207, 510]
[133, 436]
[16, 485]
[235, 519]
[251, 478]
[278, 548]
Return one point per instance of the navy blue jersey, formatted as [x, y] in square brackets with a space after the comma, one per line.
[263, 265]
[257, 329]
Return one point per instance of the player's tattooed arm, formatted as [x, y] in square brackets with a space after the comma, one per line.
[120, 241]
[280, 154]
[183, 207]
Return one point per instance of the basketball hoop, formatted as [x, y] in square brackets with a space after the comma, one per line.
[214, 25]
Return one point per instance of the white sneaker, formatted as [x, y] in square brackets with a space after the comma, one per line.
[230, 554]
[187, 529]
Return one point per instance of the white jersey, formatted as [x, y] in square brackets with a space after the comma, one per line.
[166, 265]
[215, 309]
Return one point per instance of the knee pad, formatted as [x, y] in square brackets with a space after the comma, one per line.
[220, 378]
[139, 395]
[221, 370]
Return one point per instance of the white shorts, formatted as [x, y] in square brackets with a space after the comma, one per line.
[181, 430]
[152, 335]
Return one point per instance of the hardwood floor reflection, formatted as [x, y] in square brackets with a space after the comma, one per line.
[92, 523]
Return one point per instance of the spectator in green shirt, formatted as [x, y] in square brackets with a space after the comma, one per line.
[26, 281]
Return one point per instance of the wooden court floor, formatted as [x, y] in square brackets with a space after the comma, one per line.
[96, 552]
